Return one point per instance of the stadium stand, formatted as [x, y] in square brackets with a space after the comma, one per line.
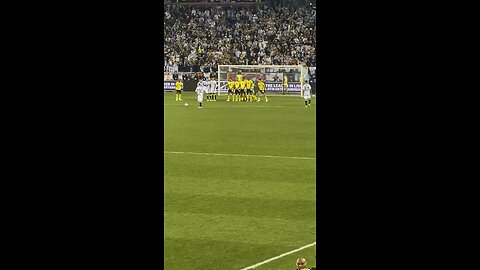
[200, 37]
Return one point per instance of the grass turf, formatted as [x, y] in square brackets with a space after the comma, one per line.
[231, 212]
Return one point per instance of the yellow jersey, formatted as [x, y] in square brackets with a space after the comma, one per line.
[239, 77]
[237, 85]
[242, 84]
[178, 86]
[231, 85]
[285, 80]
[249, 84]
[261, 85]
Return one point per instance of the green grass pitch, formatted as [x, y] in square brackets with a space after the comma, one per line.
[253, 201]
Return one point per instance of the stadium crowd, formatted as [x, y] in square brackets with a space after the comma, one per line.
[200, 38]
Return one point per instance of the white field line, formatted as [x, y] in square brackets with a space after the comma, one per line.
[236, 155]
[279, 256]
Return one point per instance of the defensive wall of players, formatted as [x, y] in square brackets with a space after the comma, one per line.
[270, 87]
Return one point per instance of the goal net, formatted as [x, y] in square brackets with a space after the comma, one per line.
[274, 77]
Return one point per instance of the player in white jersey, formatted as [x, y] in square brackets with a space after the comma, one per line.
[211, 90]
[213, 87]
[307, 93]
[200, 90]
[207, 90]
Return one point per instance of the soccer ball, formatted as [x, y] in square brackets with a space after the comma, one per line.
[186, 104]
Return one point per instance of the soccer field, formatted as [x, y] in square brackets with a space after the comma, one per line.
[239, 183]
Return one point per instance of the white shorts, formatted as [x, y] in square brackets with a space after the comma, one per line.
[200, 98]
[307, 97]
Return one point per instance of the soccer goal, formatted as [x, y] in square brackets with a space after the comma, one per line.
[273, 76]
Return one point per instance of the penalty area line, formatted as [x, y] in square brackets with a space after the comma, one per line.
[278, 257]
[235, 155]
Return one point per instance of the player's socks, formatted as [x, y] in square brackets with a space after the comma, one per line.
[176, 97]
[180, 97]
[306, 103]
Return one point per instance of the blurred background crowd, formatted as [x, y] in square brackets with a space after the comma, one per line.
[203, 34]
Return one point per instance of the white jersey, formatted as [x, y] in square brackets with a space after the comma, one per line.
[208, 86]
[213, 85]
[307, 91]
[201, 88]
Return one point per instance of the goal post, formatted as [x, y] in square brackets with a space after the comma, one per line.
[272, 75]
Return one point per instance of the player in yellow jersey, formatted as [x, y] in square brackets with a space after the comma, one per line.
[237, 91]
[231, 86]
[242, 90]
[239, 76]
[253, 97]
[178, 89]
[261, 89]
[249, 84]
